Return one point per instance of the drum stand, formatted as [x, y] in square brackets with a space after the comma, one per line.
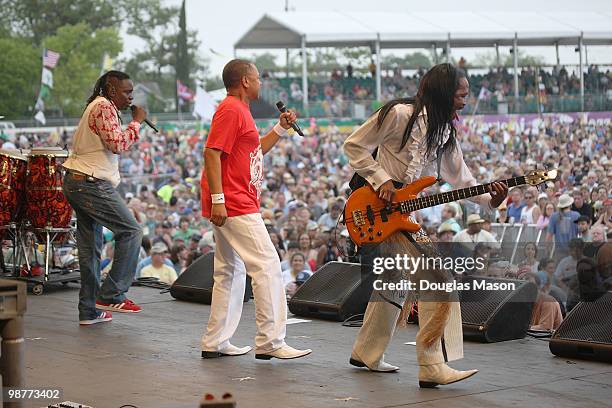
[62, 276]
[24, 247]
[12, 230]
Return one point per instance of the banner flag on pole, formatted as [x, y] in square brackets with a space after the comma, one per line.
[107, 63]
[44, 91]
[484, 93]
[40, 104]
[40, 116]
[204, 106]
[47, 77]
[49, 61]
[183, 92]
[50, 58]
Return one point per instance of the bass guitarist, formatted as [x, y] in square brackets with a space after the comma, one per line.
[409, 135]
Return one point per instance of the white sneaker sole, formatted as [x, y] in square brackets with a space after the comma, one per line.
[114, 309]
[94, 321]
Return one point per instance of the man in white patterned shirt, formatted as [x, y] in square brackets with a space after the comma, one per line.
[92, 175]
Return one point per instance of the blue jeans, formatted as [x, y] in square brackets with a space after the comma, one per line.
[97, 204]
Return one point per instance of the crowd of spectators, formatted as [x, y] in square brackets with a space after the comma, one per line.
[306, 186]
[548, 86]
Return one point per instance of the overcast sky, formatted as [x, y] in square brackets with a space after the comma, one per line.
[220, 25]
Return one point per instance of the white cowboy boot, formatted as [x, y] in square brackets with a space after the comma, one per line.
[380, 367]
[431, 376]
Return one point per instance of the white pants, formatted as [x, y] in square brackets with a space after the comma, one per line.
[379, 324]
[243, 246]
[381, 316]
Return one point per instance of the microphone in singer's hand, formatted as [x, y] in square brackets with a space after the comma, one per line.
[281, 107]
[147, 121]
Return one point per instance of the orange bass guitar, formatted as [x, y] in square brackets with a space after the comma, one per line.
[370, 220]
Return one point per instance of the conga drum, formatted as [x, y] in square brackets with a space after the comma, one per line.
[47, 207]
[13, 167]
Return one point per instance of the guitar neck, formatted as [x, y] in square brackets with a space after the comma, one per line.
[454, 195]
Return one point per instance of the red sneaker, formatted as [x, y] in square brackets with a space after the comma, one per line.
[127, 306]
[100, 318]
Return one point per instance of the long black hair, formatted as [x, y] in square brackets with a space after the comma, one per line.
[101, 87]
[436, 94]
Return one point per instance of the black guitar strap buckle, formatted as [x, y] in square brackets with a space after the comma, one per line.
[438, 164]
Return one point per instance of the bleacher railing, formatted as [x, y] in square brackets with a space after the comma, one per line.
[514, 237]
[362, 108]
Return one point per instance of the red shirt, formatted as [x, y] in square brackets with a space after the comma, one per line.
[233, 131]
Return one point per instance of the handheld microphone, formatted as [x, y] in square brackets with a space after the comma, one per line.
[147, 121]
[282, 108]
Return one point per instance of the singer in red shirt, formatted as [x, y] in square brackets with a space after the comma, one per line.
[231, 187]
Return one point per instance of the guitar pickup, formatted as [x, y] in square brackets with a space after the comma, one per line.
[384, 214]
[370, 214]
[358, 218]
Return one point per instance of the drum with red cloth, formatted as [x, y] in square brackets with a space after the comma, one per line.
[47, 207]
[13, 167]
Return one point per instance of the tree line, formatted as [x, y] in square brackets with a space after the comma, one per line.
[83, 32]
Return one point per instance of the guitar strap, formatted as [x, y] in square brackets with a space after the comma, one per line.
[357, 181]
[439, 163]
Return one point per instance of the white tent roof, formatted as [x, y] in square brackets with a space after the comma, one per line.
[423, 29]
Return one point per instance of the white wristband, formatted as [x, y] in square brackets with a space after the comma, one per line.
[218, 198]
[279, 130]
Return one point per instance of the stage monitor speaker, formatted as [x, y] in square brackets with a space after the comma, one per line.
[196, 282]
[335, 292]
[586, 332]
[501, 311]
